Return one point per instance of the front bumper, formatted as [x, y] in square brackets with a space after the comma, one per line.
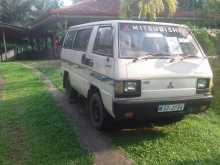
[147, 109]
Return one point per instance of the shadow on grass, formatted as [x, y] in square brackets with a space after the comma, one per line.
[136, 136]
[150, 132]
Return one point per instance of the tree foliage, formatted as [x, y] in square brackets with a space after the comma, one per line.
[148, 8]
[191, 4]
[202, 5]
[207, 41]
[214, 5]
[126, 9]
[211, 6]
[171, 5]
[14, 11]
[22, 12]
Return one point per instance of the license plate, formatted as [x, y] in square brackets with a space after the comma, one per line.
[171, 108]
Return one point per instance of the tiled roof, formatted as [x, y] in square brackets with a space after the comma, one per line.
[91, 8]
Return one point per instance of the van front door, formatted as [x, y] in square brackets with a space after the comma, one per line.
[103, 67]
[103, 51]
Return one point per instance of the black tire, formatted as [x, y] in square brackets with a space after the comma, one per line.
[70, 92]
[99, 117]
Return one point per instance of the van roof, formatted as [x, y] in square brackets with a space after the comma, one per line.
[125, 21]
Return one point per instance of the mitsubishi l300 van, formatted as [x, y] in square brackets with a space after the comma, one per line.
[136, 70]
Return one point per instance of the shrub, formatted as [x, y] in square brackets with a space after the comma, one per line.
[207, 41]
[218, 42]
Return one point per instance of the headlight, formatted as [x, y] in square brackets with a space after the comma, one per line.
[127, 89]
[203, 85]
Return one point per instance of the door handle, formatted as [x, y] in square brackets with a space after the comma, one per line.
[108, 59]
[90, 62]
[87, 61]
[83, 59]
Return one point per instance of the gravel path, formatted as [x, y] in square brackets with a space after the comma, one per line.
[94, 141]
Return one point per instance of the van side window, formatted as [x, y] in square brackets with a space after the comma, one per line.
[104, 41]
[82, 39]
[68, 43]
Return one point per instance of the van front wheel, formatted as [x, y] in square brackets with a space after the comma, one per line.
[100, 118]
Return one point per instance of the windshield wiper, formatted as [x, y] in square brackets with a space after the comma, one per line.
[189, 56]
[153, 56]
[181, 57]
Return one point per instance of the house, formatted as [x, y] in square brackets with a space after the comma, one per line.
[96, 10]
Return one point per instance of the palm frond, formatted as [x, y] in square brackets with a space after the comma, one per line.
[171, 5]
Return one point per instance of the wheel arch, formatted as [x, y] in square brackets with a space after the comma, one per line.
[65, 76]
[93, 88]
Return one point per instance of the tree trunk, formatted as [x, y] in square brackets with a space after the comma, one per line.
[31, 43]
[38, 43]
[45, 40]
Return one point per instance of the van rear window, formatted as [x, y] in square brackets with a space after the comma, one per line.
[68, 43]
[82, 39]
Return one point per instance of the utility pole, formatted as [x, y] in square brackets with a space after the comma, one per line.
[65, 25]
[4, 42]
[1, 54]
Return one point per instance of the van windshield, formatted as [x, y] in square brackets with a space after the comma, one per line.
[137, 40]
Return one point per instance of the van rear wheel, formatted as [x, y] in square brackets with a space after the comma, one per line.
[99, 117]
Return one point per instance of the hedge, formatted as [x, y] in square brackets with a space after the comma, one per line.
[209, 43]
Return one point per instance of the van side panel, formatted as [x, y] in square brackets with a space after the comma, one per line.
[72, 62]
[78, 76]
[83, 76]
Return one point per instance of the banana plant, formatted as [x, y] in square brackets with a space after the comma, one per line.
[149, 9]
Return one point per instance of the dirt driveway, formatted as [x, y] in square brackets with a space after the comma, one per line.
[91, 139]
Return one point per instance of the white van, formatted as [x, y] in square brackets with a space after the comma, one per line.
[136, 70]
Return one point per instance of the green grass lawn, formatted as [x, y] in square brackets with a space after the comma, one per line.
[193, 141]
[51, 69]
[33, 131]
